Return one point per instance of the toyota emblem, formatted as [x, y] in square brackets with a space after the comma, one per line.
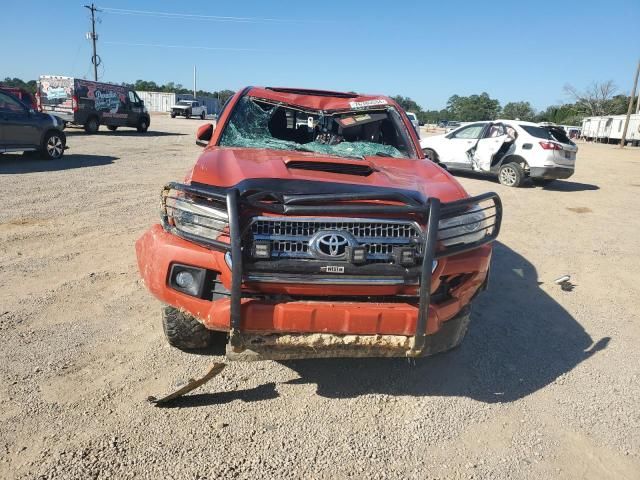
[331, 244]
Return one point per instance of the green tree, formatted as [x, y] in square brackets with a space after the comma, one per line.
[518, 110]
[408, 104]
[473, 107]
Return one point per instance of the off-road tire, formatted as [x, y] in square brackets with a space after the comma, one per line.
[183, 331]
[53, 146]
[202, 116]
[113, 128]
[143, 125]
[92, 125]
[511, 175]
[431, 155]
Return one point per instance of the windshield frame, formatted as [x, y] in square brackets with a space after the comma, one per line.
[412, 153]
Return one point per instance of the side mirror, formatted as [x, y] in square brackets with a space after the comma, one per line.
[204, 134]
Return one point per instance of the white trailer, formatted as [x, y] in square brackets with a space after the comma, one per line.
[609, 129]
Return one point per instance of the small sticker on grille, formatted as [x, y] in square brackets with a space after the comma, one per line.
[332, 269]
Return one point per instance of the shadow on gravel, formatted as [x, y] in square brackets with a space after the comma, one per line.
[520, 340]
[262, 392]
[121, 133]
[16, 163]
[555, 186]
[568, 186]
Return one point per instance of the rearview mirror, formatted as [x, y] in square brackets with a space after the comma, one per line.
[204, 134]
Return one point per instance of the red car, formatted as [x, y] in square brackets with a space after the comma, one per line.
[24, 96]
[313, 226]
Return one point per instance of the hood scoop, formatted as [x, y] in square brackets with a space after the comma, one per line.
[345, 168]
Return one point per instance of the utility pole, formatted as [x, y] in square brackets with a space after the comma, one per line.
[630, 109]
[194, 82]
[94, 59]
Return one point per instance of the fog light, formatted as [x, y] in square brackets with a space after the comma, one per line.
[405, 256]
[185, 280]
[262, 249]
[358, 255]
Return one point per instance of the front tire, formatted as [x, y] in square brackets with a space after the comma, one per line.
[202, 116]
[511, 175]
[143, 126]
[187, 114]
[183, 331]
[53, 145]
[173, 115]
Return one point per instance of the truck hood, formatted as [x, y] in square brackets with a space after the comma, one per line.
[180, 107]
[226, 167]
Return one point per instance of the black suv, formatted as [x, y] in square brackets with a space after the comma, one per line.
[25, 130]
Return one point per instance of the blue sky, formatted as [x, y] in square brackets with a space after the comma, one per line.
[429, 51]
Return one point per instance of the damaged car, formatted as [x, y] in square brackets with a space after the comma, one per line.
[512, 150]
[313, 226]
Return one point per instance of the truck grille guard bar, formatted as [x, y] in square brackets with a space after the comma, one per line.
[263, 195]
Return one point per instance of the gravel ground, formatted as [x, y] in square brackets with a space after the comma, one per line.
[546, 384]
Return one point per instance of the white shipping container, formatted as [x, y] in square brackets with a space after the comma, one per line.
[157, 101]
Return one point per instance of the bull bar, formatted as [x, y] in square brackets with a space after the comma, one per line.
[280, 197]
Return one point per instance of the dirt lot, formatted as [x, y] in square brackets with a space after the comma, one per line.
[546, 384]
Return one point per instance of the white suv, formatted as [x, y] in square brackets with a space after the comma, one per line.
[511, 149]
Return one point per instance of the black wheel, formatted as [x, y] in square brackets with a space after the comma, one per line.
[431, 155]
[92, 125]
[202, 116]
[173, 115]
[511, 175]
[53, 145]
[143, 126]
[187, 114]
[543, 182]
[113, 128]
[183, 331]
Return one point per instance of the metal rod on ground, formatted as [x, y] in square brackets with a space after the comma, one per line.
[630, 109]
[94, 58]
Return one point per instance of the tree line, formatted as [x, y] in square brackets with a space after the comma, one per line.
[597, 99]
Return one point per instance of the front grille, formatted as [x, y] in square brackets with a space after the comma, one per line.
[289, 238]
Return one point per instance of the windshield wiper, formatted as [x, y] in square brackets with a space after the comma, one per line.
[383, 154]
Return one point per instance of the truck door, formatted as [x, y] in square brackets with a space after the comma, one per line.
[487, 147]
[18, 128]
[135, 107]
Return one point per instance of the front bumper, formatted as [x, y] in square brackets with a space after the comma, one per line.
[551, 173]
[250, 308]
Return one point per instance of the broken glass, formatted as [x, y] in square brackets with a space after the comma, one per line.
[251, 126]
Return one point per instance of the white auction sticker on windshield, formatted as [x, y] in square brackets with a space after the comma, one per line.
[368, 103]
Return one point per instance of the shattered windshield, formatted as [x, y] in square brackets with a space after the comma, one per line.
[257, 123]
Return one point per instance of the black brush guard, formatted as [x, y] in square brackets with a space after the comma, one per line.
[275, 196]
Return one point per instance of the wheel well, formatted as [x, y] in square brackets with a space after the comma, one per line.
[514, 159]
[93, 115]
[437, 159]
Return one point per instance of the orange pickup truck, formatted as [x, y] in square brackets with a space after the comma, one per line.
[313, 226]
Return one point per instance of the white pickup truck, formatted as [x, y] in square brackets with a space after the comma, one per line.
[188, 109]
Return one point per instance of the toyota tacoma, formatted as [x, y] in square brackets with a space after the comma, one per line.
[313, 226]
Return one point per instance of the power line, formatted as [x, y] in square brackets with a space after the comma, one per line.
[192, 16]
[193, 47]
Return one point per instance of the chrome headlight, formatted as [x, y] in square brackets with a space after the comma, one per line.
[468, 227]
[195, 218]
